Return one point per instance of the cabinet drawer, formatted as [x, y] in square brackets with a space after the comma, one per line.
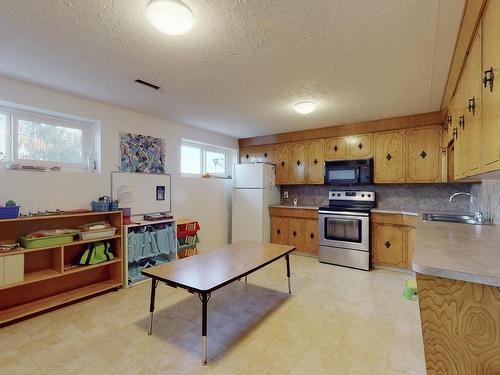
[388, 245]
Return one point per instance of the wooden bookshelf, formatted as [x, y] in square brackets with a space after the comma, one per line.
[47, 282]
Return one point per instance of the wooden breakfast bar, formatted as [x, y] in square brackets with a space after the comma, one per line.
[209, 271]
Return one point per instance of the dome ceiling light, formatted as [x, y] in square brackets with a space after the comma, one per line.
[170, 16]
[305, 107]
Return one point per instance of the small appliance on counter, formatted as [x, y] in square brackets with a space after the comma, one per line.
[349, 172]
[344, 228]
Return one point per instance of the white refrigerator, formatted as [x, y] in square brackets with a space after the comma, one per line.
[254, 190]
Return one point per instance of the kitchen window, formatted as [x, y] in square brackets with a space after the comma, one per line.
[202, 159]
[31, 138]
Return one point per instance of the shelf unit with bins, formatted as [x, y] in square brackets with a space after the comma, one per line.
[141, 224]
[48, 282]
[187, 237]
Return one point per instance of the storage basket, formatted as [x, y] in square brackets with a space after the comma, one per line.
[113, 205]
[101, 205]
[9, 212]
[95, 234]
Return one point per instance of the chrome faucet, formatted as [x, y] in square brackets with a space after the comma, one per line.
[478, 215]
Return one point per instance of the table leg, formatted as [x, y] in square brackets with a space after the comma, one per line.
[154, 284]
[204, 297]
[287, 258]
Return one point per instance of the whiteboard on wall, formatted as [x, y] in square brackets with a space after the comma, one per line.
[143, 193]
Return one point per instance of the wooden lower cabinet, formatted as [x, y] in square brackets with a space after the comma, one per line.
[279, 230]
[296, 233]
[393, 236]
[388, 245]
[311, 236]
[296, 227]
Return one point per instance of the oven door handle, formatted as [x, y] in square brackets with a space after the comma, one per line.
[343, 213]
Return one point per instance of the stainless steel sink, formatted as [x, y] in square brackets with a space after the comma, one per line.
[450, 218]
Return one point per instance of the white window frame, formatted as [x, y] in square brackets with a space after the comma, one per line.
[91, 138]
[229, 153]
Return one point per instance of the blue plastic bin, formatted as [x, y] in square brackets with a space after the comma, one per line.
[11, 212]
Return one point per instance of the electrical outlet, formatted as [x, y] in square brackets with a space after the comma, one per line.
[285, 194]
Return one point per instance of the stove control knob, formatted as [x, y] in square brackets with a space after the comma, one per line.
[338, 195]
[369, 195]
[362, 195]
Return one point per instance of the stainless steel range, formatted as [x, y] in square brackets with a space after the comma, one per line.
[344, 228]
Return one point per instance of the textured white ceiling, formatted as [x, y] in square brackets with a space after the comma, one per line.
[245, 63]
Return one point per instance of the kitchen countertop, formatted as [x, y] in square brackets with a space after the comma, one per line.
[458, 251]
[383, 211]
[292, 206]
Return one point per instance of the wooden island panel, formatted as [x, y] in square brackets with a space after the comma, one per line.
[460, 326]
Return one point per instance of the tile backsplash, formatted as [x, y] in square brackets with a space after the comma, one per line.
[488, 193]
[407, 197]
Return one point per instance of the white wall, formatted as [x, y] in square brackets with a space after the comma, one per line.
[207, 200]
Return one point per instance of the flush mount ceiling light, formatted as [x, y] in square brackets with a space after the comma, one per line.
[170, 16]
[305, 107]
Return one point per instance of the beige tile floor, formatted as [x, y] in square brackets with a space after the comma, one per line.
[337, 321]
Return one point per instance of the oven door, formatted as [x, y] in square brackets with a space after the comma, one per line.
[348, 230]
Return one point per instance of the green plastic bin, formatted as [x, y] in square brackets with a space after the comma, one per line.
[59, 239]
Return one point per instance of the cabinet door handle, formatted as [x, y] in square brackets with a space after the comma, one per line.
[448, 123]
[278, 231]
[335, 148]
[488, 78]
[455, 133]
[387, 244]
[312, 236]
[360, 145]
[315, 161]
[247, 156]
[265, 154]
[294, 234]
[282, 163]
[461, 122]
[423, 154]
[472, 106]
[298, 162]
[388, 156]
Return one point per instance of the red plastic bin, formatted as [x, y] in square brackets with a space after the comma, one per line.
[187, 229]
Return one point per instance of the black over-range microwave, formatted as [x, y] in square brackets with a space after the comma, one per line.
[344, 172]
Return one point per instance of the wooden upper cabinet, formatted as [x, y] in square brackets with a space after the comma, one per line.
[265, 154]
[315, 162]
[360, 146]
[279, 230]
[473, 83]
[491, 93]
[423, 154]
[389, 160]
[246, 155]
[459, 163]
[335, 148]
[257, 154]
[283, 163]
[349, 147]
[298, 162]
[311, 243]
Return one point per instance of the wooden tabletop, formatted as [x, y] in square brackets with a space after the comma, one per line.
[213, 269]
